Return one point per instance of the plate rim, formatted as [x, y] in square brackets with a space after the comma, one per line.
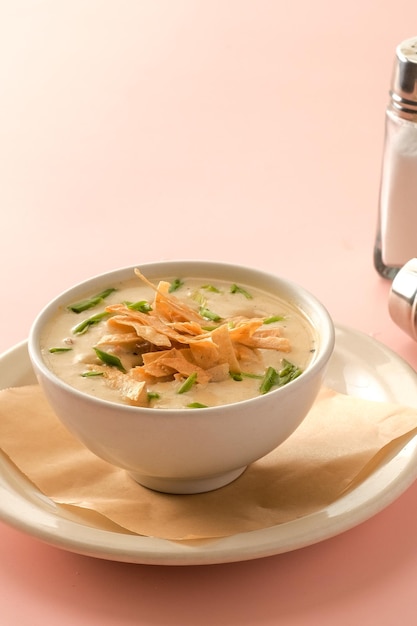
[35, 514]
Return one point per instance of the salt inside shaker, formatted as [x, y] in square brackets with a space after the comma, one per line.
[402, 301]
[396, 240]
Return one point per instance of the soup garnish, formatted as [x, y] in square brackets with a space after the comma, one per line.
[181, 344]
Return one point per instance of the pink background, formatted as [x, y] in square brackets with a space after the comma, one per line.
[243, 131]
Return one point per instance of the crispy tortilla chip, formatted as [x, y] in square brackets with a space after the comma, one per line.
[168, 305]
[218, 372]
[150, 357]
[268, 342]
[139, 373]
[173, 361]
[188, 328]
[116, 339]
[247, 355]
[205, 353]
[158, 370]
[221, 338]
[132, 391]
[127, 316]
[147, 333]
[173, 343]
[250, 334]
[245, 329]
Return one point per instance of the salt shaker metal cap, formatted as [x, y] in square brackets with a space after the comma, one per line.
[402, 301]
[404, 79]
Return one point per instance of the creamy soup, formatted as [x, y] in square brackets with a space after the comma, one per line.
[179, 342]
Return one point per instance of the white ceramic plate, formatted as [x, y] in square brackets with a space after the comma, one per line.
[360, 367]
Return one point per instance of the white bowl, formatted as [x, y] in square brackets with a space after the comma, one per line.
[184, 450]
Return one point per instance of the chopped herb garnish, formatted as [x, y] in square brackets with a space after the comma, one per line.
[89, 303]
[274, 318]
[91, 374]
[197, 405]
[250, 375]
[176, 284]
[209, 315]
[236, 289]
[211, 288]
[153, 395]
[241, 375]
[269, 380]
[188, 383]
[288, 372]
[285, 375]
[142, 305]
[82, 328]
[53, 350]
[110, 359]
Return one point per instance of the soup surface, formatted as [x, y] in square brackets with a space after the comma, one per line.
[179, 342]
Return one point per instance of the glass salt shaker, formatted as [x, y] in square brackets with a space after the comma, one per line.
[402, 301]
[396, 240]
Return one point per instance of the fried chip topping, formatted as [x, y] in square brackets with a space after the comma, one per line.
[169, 340]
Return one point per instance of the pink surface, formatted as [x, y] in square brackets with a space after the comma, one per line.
[244, 131]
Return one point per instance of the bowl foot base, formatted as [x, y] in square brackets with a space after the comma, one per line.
[187, 485]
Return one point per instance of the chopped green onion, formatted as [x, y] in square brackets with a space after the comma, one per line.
[82, 328]
[286, 369]
[286, 374]
[109, 359]
[197, 405]
[91, 374]
[236, 289]
[89, 303]
[53, 350]
[274, 318]
[250, 375]
[153, 395]
[211, 288]
[176, 284]
[269, 380]
[188, 383]
[241, 375]
[209, 315]
[143, 306]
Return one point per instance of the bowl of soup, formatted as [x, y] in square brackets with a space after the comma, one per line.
[182, 372]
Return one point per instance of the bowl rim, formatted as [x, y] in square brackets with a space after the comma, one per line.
[325, 349]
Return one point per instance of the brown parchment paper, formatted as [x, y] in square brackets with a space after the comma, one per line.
[341, 441]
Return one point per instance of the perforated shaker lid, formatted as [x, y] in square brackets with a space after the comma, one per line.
[402, 301]
[404, 78]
